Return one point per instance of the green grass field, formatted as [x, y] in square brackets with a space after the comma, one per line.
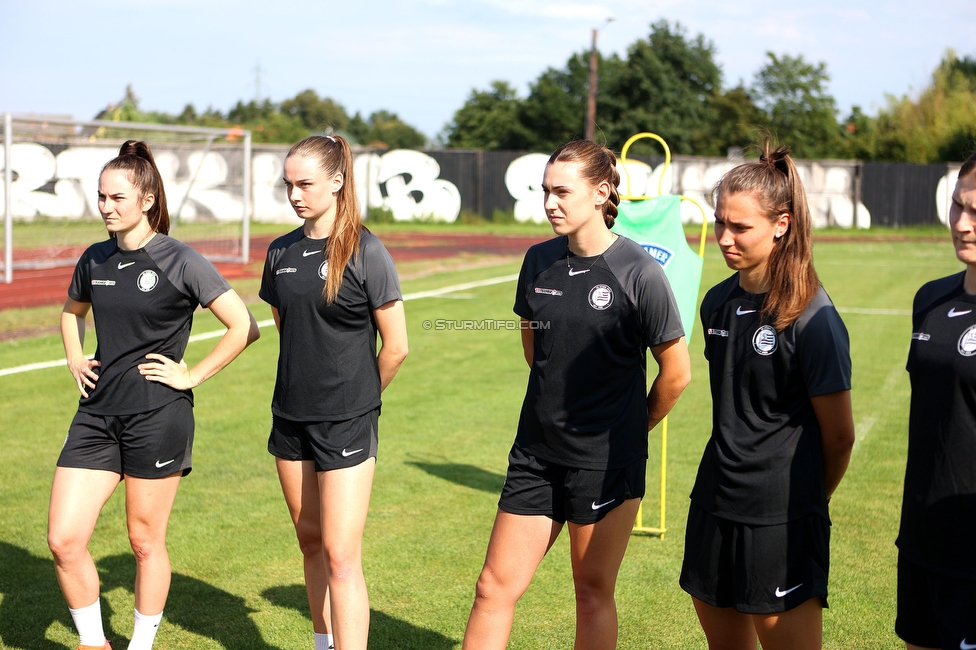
[448, 422]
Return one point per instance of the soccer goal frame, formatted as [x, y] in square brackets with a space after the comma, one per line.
[199, 149]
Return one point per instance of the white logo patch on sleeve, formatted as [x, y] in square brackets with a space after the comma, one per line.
[764, 341]
[147, 281]
[601, 297]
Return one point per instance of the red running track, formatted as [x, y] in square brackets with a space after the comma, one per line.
[38, 287]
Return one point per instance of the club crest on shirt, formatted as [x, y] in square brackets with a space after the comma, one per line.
[601, 297]
[324, 269]
[764, 341]
[967, 342]
[147, 280]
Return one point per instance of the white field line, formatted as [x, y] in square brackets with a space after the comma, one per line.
[433, 293]
[867, 422]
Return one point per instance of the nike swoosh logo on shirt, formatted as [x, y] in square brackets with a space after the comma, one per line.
[966, 646]
[306, 253]
[952, 314]
[122, 266]
[739, 311]
[572, 272]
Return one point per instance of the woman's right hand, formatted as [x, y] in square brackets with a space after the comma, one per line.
[82, 369]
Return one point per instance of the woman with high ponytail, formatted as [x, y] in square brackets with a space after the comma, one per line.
[757, 541]
[591, 304]
[135, 417]
[332, 287]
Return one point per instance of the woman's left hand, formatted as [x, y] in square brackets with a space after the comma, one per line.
[166, 371]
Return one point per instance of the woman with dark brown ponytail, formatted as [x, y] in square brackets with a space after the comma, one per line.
[591, 305]
[332, 287]
[757, 542]
[135, 417]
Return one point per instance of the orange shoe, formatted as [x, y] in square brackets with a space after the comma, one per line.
[107, 646]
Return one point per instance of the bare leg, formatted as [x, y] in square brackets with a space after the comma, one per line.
[148, 503]
[344, 495]
[516, 547]
[725, 628]
[800, 628]
[300, 486]
[597, 551]
[77, 497]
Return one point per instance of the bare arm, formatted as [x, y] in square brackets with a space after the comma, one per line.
[242, 330]
[528, 340]
[836, 420]
[673, 374]
[73, 337]
[391, 323]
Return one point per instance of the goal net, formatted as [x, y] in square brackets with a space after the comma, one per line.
[50, 190]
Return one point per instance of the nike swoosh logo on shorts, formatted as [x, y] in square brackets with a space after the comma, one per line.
[966, 646]
[347, 454]
[780, 593]
[306, 253]
[122, 266]
[159, 464]
[739, 311]
[952, 314]
[595, 506]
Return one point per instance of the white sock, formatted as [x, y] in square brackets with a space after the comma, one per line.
[144, 631]
[323, 642]
[88, 622]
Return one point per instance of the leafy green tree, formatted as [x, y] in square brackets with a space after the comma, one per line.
[555, 110]
[316, 113]
[385, 129]
[664, 86]
[489, 119]
[735, 122]
[936, 126]
[799, 111]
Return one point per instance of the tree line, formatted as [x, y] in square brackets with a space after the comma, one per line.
[668, 83]
[284, 122]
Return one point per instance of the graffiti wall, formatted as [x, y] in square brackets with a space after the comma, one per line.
[60, 181]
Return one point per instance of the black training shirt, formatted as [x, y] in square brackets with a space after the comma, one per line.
[142, 302]
[938, 517]
[593, 319]
[763, 463]
[327, 369]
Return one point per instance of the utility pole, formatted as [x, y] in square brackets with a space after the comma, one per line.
[590, 126]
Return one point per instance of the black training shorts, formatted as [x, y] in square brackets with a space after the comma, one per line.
[156, 444]
[582, 496]
[332, 445]
[755, 569]
[935, 610]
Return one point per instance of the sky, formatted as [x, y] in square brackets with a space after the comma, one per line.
[421, 59]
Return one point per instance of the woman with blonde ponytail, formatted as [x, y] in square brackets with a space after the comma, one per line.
[591, 304]
[757, 541]
[332, 287]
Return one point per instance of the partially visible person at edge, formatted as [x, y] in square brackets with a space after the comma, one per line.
[937, 538]
[332, 286]
[580, 452]
[757, 542]
[135, 415]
